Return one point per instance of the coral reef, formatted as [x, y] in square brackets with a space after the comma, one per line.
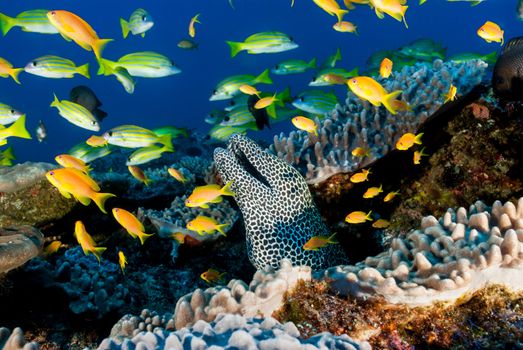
[15, 340]
[359, 124]
[19, 245]
[27, 198]
[277, 207]
[130, 326]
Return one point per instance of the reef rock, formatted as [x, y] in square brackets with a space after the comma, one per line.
[19, 245]
[15, 340]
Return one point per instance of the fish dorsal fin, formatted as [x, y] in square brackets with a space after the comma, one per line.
[513, 43]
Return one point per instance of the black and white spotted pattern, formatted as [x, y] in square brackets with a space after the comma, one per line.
[280, 215]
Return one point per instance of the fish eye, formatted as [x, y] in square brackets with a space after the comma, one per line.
[214, 91]
[94, 122]
[291, 39]
[354, 81]
[34, 63]
[110, 133]
[144, 18]
[302, 99]
[313, 79]
[53, 13]
[226, 118]
[12, 111]
[51, 173]
[116, 209]
[277, 66]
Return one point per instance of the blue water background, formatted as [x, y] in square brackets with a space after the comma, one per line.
[183, 100]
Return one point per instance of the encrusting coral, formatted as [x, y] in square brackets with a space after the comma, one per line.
[279, 213]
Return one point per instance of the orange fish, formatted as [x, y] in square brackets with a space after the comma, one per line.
[7, 70]
[345, 27]
[265, 102]
[96, 141]
[401, 106]
[390, 196]
[360, 177]
[86, 241]
[306, 124]
[417, 156]
[380, 223]
[179, 237]
[177, 175]
[385, 68]
[408, 140]
[192, 31]
[335, 79]
[358, 217]
[490, 31]
[451, 94]
[249, 90]
[201, 196]
[317, 242]
[68, 161]
[373, 192]
[361, 152]
[72, 27]
[369, 89]
[52, 247]
[129, 222]
[138, 174]
[122, 260]
[212, 276]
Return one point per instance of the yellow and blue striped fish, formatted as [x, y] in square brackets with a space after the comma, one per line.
[321, 77]
[139, 22]
[264, 42]
[230, 87]
[6, 157]
[8, 114]
[145, 64]
[50, 66]
[34, 21]
[146, 154]
[238, 116]
[315, 101]
[88, 153]
[133, 136]
[223, 133]
[76, 114]
[293, 66]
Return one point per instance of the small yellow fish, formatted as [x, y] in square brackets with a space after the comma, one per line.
[212, 276]
[203, 224]
[179, 237]
[177, 175]
[52, 247]
[265, 102]
[358, 217]
[7, 70]
[390, 196]
[86, 241]
[249, 90]
[192, 31]
[361, 176]
[401, 106]
[335, 79]
[68, 161]
[306, 124]
[201, 196]
[332, 8]
[417, 156]
[345, 27]
[408, 140]
[122, 260]
[372, 192]
[317, 242]
[451, 94]
[490, 31]
[369, 89]
[393, 8]
[380, 223]
[130, 223]
[138, 174]
[386, 68]
[96, 141]
[361, 152]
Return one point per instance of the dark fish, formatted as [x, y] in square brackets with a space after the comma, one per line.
[260, 115]
[507, 77]
[41, 132]
[86, 97]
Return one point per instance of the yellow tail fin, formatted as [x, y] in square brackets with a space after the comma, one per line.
[220, 228]
[387, 101]
[226, 190]
[99, 46]
[100, 198]
[18, 129]
[84, 70]
[14, 74]
[98, 251]
[143, 236]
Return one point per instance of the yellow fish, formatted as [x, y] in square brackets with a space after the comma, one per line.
[350, 6]
[358, 217]
[249, 90]
[177, 175]
[72, 27]
[86, 241]
[192, 31]
[361, 152]
[369, 89]
[390, 196]
[52, 247]
[393, 8]
[380, 223]
[335, 79]
[68, 161]
[306, 124]
[138, 174]
[417, 156]
[130, 223]
[96, 141]
[408, 140]
[372, 192]
[7, 70]
[203, 224]
[361, 176]
[401, 106]
[345, 27]
[386, 68]
[265, 102]
[332, 8]
[201, 196]
[317, 242]
[122, 260]
[451, 94]
[212, 276]
[179, 237]
[490, 31]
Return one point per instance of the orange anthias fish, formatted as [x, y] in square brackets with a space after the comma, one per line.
[358, 217]
[361, 152]
[417, 156]
[306, 124]
[249, 90]
[317, 242]
[201, 196]
[52, 247]
[265, 102]
[490, 31]
[138, 174]
[380, 223]
[369, 89]
[86, 241]
[68, 161]
[204, 224]
[393, 8]
[335, 79]
[129, 222]
[332, 8]
[451, 94]
[385, 68]
[122, 260]
[408, 140]
[177, 175]
[345, 27]
[192, 31]
[72, 27]
[390, 196]
[401, 106]
[372, 192]
[7, 70]
[96, 141]
[212, 276]
[361, 176]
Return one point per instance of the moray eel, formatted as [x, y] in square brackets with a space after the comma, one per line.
[279, 213]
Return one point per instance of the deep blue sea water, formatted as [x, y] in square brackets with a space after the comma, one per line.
[183, 99]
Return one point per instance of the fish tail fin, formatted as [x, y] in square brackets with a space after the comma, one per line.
[84, 70]
[236, 47]
[332, 239]
[226, 190]
[337, 56]
[367, 217]
[166, 141]
[387, 101]
[104, 66]
[284, 96]
[220, 228]
[8, 153]
[491, 57]
[263, 78]
[6, 23]
[98, 251]
[340, 13]
[100, 198]
[99, 46]
[147, 181]
[125, 27]
[417, 139]
[14, 74]
[312, 63]
[143, 236]
[403, 10]
[18, 129]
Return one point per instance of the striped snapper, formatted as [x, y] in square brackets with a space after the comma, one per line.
[124, 78]
[88, 153]
[34, 21]
[132, 136]
[223, 133]
[146, 154]
[315, 101]
[293, 67]
[139, 22]
[230, 87]
[8, 114]
[264, 42]
[321, 78]
[76, 114]
[237, 101]
[50, 66]
[145, 64]
[238, 116]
